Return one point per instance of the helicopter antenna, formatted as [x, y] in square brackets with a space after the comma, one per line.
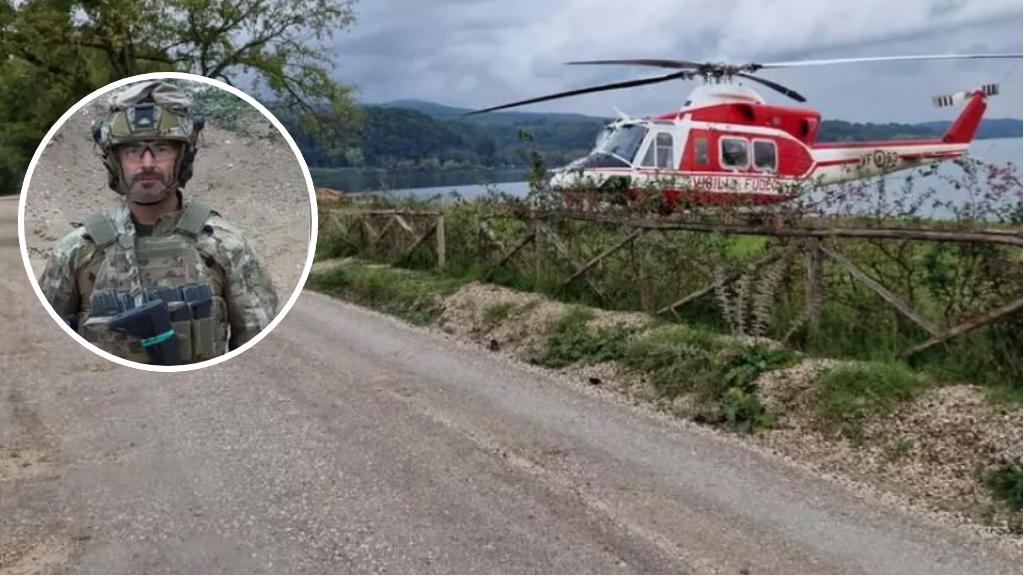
[621, 115]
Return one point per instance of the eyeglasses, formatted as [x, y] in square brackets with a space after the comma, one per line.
[161, 151]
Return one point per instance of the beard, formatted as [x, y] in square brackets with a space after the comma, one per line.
[149, 187]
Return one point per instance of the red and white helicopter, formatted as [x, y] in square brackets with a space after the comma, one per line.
[727, 144]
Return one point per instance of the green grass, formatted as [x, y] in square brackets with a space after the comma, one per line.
[332, 245]
[850, 394]
[496, 313]
[571, 341]
[720, 372]
[409, 294]
[749, 247]
[1006, 484]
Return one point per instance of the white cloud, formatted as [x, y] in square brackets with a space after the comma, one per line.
[475, 54]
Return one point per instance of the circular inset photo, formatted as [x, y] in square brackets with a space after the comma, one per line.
[167, 221]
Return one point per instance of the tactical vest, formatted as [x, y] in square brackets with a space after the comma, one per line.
[166, 267]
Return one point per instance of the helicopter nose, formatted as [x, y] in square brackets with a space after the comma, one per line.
[558, 179]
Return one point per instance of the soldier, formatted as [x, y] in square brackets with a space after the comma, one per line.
[157, 280]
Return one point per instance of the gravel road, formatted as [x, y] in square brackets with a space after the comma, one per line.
[348, 442]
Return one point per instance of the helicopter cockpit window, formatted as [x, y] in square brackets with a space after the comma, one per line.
[623, 141]
[764, 155]
[734, 152]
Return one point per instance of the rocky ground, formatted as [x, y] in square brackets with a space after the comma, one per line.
[248, 174]
[927, 455]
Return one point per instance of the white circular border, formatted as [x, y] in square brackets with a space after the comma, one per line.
[312, 209]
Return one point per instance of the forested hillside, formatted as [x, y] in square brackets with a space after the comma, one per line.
[412, 135]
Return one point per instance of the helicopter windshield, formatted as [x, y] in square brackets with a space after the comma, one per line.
[621, 142]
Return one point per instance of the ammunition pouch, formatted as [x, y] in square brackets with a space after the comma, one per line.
[173, 326]
[173, 274]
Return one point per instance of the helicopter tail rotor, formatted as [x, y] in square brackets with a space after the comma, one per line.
[953, 99]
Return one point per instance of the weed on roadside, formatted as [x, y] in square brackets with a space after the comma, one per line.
[1006, 484]
[719, 372]
[571, 341]
[412, 295]
[850, 394]
[496, 313]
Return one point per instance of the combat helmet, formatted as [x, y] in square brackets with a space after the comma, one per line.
[154, 110]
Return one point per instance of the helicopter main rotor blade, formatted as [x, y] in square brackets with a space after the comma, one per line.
[601, 88]
[677, 64]
[774, 86]
[794, 63]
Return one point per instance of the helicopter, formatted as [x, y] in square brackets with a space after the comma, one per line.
[727, 145]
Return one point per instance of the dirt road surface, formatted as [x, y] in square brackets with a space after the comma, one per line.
[347, 442]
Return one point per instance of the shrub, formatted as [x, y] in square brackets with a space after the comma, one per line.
[572, 341]
[1007, 483]
[721, 373]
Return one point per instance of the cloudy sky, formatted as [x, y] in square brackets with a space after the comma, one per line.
[474, 54]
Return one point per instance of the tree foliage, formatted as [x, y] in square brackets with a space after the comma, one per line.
[54, 52]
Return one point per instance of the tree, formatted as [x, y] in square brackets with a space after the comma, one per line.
[54, 52]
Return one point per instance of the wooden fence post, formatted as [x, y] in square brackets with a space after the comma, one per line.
[538, 246]
[815, 286]
[442, 256]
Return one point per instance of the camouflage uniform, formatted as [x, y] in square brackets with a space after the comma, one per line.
[184, 290]
[243, 293]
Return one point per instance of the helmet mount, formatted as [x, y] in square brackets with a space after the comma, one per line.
[146, 112]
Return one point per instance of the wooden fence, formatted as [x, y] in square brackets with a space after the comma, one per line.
[416, 227]
[537, 228]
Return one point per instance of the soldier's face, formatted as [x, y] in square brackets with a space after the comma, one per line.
[148, 168]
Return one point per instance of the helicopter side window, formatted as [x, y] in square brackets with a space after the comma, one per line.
[764, 155]
[664, 146]
[734, 152]
[700, 151]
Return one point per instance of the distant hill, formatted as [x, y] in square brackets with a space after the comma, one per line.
[491, 118]
[990, 127]
[841, 131]
[412, 135]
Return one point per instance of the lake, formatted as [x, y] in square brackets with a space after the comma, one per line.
[372, 179]
[995, 151]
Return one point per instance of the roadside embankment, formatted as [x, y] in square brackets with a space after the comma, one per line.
[951, 449]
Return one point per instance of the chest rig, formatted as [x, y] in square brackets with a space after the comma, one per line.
[139, 272]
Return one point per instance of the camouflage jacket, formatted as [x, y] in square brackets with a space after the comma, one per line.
[236, 272]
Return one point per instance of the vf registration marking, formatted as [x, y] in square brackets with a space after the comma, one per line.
[883, 159]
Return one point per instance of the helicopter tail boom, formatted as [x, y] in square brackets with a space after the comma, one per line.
[840, 162]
